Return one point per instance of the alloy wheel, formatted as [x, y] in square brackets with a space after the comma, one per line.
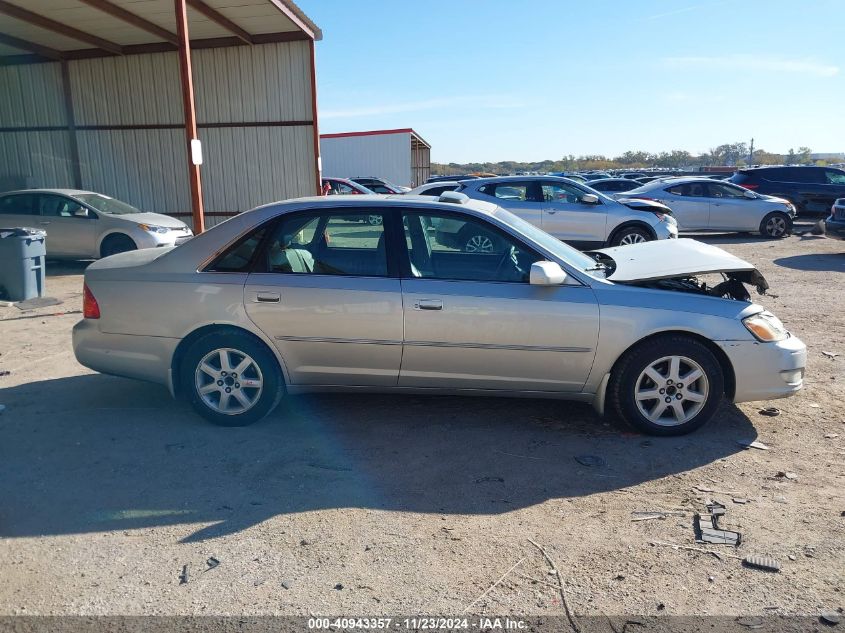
[632, 238]
[375, 220]
[228, 381]
[671, 391]
[776, 226]
[479, 244]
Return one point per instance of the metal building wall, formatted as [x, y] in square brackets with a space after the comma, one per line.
[380, 155]
[254, 112]
[31, 99]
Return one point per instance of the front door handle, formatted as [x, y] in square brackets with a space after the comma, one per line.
[267, 297]
[44, 223]
[428, 304]
[551, 211]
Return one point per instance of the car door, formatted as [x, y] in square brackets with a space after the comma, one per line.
[569, 219]
[520, 197]
[730, 210]
[320, 290]
[472, 320]
[689, 204]
[19, 210]
[68, 234]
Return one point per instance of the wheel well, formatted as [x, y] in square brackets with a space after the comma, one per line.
[629, 224]
[185, 345]
[115, 236]
[724, 362]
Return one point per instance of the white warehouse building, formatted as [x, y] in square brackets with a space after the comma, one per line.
[400, 156]
[195, 108]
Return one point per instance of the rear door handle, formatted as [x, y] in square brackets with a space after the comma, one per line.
[45, 223]
[428, 304]
[267, 297]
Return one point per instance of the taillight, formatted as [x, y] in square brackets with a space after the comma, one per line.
[90, 307]
[749, 185]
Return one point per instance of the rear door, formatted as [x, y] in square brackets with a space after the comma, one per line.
[521, 198]
[321, 291]
[569, 219]
[690, 205]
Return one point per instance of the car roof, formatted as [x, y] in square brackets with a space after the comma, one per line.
[611, 180]
[364, 200]
[481, 181]
[64, 192]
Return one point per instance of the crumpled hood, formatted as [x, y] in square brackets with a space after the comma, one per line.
[665, 259]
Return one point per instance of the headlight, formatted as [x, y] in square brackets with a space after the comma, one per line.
[153, 229]
[765, 327]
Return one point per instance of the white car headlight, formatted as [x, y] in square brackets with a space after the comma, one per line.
[151, 228]
[765, 327]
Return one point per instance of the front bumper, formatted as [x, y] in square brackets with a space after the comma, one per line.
[146, 239]
[666, 231]
[834, 227]
[765, 371]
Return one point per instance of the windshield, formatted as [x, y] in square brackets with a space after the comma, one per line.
[107, 205]
[574, 258]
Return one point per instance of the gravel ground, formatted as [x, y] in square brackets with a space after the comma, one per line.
[401, 505]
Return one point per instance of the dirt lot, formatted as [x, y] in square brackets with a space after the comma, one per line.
[388, 505]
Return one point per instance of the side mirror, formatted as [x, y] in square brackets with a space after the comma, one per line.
[81, 212]
[749, 194]
[546, 274]
[589, 198]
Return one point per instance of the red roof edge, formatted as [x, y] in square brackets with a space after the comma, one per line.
[403, 130]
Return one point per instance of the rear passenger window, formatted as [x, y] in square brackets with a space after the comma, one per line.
[833, 177]
[327, 244]
[18, 205]
[239, 257]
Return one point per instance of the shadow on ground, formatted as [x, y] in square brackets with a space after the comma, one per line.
[834, 262]
[96, 453]
[62, 268]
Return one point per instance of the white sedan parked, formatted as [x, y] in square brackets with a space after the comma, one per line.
[89, 225]
[702, 204]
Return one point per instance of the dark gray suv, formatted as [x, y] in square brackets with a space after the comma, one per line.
[810, 189]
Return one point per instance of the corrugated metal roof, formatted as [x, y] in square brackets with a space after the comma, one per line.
[255, 17]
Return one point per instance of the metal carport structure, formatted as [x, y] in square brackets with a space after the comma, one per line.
[108, 95]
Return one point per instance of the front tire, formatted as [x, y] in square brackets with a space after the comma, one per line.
[776, 225]
[667, 385]
[117, 243]
[231, 378]
[631, 235]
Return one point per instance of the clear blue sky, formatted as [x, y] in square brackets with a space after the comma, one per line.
[504, 80]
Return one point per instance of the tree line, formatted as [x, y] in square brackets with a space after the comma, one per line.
[729, 154]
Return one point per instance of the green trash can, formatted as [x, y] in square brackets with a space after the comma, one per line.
[22, 253]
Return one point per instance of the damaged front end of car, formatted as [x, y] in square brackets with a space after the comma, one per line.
[679, 265]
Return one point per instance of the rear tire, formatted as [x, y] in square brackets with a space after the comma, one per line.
[117, 243]
[631, 235]
[231, 378]
[776, 225]
[667, 385]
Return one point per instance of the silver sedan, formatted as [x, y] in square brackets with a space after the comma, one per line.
[86, 224]
[703, 204]
[300, 297]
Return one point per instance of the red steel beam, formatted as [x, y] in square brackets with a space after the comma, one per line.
[190, 112]
[135, 20]
[25, 15]
[32, 47]
[215, 16]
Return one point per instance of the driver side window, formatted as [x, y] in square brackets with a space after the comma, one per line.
[462, 248]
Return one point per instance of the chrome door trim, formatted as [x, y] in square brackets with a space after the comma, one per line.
[518, 348]
[321, 339]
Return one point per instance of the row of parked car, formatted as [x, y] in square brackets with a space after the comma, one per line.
[85, 224]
